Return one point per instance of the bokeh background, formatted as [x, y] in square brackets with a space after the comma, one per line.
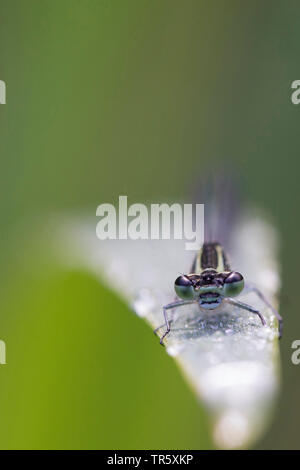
[109, 97]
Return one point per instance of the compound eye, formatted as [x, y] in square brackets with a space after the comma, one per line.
[184, 288]
[234, 284]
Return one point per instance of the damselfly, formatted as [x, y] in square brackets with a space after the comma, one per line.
[212, 283]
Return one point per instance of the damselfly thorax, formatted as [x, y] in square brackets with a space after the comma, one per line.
[209, 271]
[211, 279]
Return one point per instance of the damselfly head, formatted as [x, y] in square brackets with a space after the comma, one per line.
[210, 286]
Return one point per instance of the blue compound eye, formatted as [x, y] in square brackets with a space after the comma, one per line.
[234, 284]
[184, 288]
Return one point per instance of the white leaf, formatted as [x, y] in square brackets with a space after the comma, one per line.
[229, 358]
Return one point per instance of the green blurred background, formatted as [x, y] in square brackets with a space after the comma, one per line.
[131, 97]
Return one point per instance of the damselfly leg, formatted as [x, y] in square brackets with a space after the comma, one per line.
[178, 303]
[254, 289]
[247, 307]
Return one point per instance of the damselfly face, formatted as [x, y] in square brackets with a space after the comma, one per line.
[209, 287]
